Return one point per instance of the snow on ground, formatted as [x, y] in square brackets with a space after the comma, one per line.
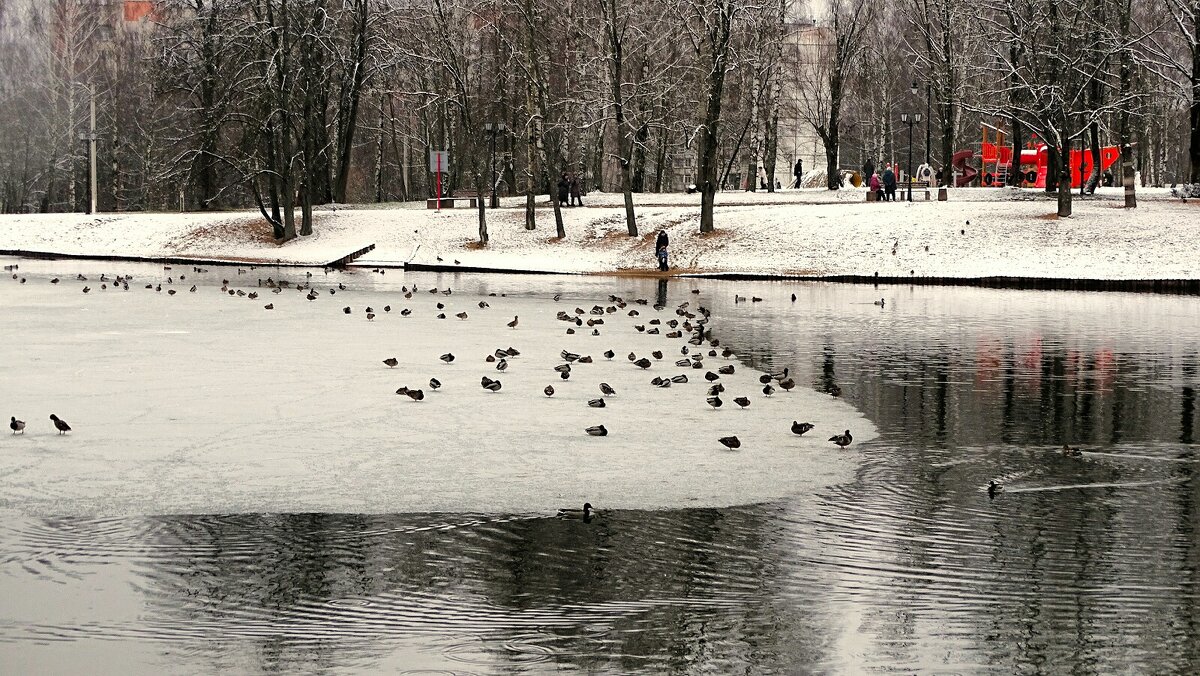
[208, 403]
[979, 232]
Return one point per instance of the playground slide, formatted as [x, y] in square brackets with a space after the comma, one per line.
[966, 173]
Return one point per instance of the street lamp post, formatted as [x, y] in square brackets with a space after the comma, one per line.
[928, 120]
[90, 137]
[492, 130]
[910, 120]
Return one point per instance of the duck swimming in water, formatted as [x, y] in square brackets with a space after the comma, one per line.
[597, 431]
[584, 514]
[732, 443]
[1071, 452]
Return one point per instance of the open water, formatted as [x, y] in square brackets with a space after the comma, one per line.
[1080, 565]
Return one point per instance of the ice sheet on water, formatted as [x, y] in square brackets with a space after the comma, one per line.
[204, 403]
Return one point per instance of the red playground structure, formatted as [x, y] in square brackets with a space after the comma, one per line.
[996, 161]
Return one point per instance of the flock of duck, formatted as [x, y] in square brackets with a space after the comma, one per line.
[688, 321]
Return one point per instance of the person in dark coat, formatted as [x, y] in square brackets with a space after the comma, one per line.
[576, 191]
[868, 169]
[660, 249]
[889, 185]
[564, 188]
[798, 172]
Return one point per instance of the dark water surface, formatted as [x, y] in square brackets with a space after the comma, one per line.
[1081, 565]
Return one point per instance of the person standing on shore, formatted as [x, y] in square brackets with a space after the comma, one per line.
[564, 188]
[889, 185]
[576, 190]
[660, 249]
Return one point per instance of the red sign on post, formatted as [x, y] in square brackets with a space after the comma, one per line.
[438, 159]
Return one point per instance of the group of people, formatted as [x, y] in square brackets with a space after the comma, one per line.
[883, 185]
[570, 192]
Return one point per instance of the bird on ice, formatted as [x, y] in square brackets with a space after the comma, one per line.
[16, 425]
[842, 440]
[60, 424]
[799, 428]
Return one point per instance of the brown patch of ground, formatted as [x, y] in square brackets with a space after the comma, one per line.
[227, 233]
[611, 239]
[649, 273]
[474, 245]
[1048, 217]
[718, 234]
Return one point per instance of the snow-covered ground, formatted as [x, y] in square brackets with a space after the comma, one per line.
[979, 232]
[203, 402]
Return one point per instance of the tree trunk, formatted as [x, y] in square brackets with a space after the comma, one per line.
[479, 196]
[348, 103]
[771, 154]
[1064, 178]
[1093, 178]
[1053, 168]
[830, 133]
[718, 39]
[306, 211]
[1194, 116]
[638, 152]
[1015, 175]
[531, 187]
[616, 73]
[1126, 85]
[626, 188]
[660, 163]
[559, 229]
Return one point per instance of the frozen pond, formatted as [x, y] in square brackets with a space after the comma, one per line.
[244, 491]
[203, 402]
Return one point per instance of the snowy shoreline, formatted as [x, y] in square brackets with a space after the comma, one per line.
[981, 236]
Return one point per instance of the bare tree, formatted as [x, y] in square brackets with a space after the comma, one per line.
[711, 25]
[839, 44]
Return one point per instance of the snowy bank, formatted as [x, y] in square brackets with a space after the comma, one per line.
[978, 233]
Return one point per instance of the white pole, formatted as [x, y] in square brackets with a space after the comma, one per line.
[92, 151]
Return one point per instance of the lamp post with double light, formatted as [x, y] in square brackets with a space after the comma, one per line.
[492, 131]
[910, 120]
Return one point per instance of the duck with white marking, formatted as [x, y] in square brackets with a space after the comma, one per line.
[842, 440]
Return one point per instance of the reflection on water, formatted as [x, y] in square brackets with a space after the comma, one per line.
[1082, 564]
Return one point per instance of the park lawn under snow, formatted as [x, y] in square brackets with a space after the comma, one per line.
[202, 402]
[979, 232]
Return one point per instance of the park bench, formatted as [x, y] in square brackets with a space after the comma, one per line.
[452, 202]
